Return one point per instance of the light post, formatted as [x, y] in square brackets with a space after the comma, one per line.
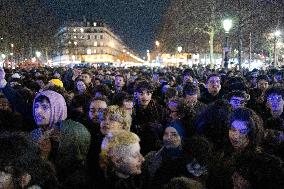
[38, 54]
[148, 56]
[12, 55]
[227, 24]
[157, 43]
[276, 35]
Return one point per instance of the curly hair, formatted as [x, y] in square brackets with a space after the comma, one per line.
[115, 113]
[116, 143]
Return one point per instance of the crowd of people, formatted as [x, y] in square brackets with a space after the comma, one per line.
[141, 127]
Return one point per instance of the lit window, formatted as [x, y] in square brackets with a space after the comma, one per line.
[74, 30]
[95, 43]
[75, 37]
[82, 30]
[95, 24]
[95, 51]
[89, 51]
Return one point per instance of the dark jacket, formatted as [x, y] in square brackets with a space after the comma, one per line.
[207, 98]
[148, 125]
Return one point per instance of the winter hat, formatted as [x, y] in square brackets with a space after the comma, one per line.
[56, 82]
[75, 140]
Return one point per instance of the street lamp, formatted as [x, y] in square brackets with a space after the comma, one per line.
[38, 54]
[227, 25]
[157, 44]
[179, 49]
[276, 35]
[148, 56]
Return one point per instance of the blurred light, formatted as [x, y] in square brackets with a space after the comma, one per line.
[148, 51]
[11, 54]
[38, 54]
[111, 44]
[227, 24]
[12, 45]
[82, 30]
[33, 59]
[89, 51]
[157, 43]
[75, 42]
[3, 56]
[179, 49]
[277, 33]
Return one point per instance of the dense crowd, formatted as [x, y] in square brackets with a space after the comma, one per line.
[140, 128]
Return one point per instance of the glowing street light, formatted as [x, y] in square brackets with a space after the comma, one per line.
[38, 54]
[227, 25]
[179, 49]
[157, 43]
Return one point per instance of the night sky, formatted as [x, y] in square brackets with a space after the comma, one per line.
[135, 21]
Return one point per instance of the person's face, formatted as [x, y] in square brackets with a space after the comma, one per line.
[172, 82]
[237, 102]
[40, 83]
[262, 85]
[275, 103]
[187, 78]
[42, 113]
[213, 85]
[97, 82]
[131, 162]
[96, 110]
[172, 108]
[171, 138]
[6, 181]
[119, 81]
[239, 182]
[191, 100]
[238, 134]
[81, 87]
[144, 98]
[87, 79]
[128, 105]
[108, 125]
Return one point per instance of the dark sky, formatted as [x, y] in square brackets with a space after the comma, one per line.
[135, 21]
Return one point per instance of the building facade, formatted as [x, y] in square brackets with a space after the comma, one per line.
[89, 43]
